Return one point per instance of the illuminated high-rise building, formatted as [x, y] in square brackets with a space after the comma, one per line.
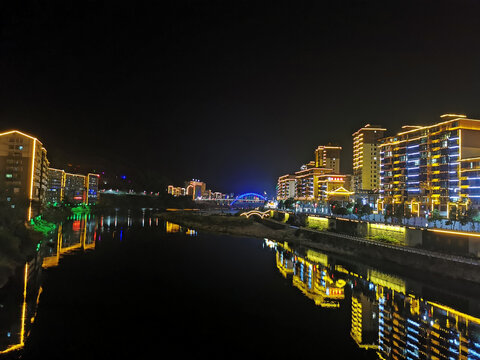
[306, 182]
[432, 167]
[23, 169]
[366, 158]
[75, 188]
[286, 187]
[327, 156]
[56, 186]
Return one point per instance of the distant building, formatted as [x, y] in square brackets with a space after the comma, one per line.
[176, 191]
[195, 188]
[92, 182]
[23, 170]
[56, 186]
[75, 188]
[328, 156]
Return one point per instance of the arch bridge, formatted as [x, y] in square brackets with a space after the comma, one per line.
[258, 213]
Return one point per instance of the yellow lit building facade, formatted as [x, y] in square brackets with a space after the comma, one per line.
[286, 187]
[24, 169]
[176, 190]
[56, 186]
[327, 156]
[306, 182]
[334, 187]
[195, 189]
[366, 158]
[74, 188]
[317, 181]
[432, 167]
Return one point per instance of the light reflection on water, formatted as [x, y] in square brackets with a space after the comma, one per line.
[390, 316]
[79, 234]
[397, 318]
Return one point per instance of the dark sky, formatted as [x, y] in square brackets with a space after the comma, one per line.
[235, 93]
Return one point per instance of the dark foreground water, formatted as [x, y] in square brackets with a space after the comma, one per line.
[137, 287]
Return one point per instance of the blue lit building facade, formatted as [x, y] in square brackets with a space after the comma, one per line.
[426, 168]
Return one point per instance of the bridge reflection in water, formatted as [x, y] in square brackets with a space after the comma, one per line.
[388, 314]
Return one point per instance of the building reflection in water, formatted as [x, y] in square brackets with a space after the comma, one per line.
[79, 234]
[16, 320]
[175, 228]
[387, 314]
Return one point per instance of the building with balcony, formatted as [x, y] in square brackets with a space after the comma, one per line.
[366, 158]
[432, 167]
[286, 187]
[306, 182]
[56, 186]
[23, 170]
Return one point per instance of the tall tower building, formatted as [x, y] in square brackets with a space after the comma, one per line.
[327, 156]
[366, 158]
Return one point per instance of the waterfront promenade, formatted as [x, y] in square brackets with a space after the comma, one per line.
[417, 222]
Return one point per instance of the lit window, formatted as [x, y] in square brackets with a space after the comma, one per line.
[9, 176]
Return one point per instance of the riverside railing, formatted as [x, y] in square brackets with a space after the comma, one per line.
[417, 222]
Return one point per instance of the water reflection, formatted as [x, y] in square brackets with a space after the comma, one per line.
[20, 296]
[17, 318]
[398, 318]
[175, 228]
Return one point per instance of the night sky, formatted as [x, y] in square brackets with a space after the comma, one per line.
[234, 93]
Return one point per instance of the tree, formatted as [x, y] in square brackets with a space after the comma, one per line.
[399, 212]
[470, 215]
[435, 216]
[452, 216]
[388, 212]
[365, 210]
[288, 204]
[281, 204]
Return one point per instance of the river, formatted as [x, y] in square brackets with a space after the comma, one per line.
[135, 286]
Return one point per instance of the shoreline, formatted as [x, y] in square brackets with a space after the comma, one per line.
[399, 259]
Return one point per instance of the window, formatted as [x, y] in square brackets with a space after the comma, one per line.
[9, 176]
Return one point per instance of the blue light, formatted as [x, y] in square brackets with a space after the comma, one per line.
[412, 330]
[412, 338]
[248, 194]
[413, 322]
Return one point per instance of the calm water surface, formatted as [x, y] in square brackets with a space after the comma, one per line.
[136, 286]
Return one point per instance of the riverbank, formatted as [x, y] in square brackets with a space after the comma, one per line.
[415, 261]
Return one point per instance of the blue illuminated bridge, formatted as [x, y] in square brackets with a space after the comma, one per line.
[247, 199]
